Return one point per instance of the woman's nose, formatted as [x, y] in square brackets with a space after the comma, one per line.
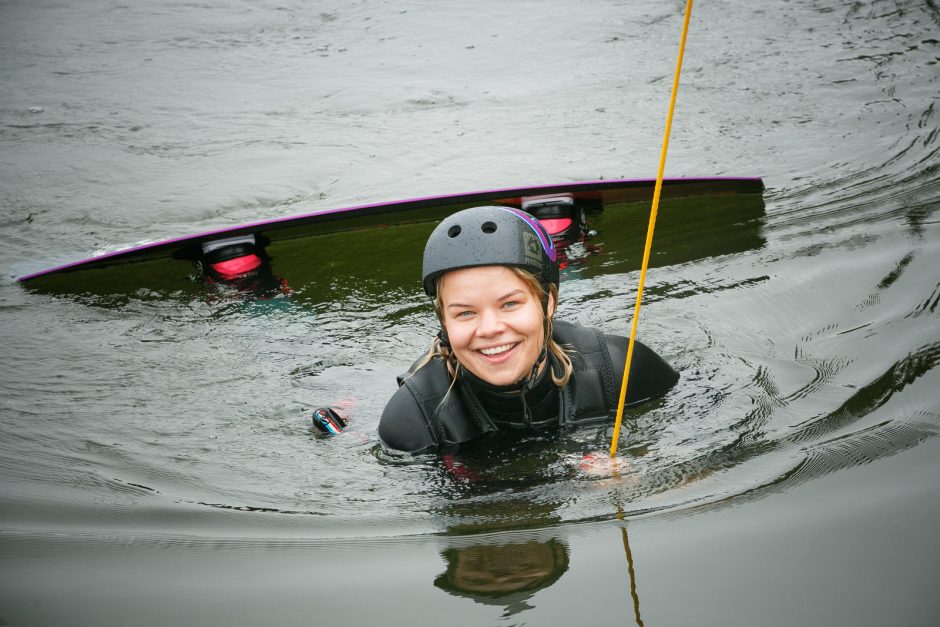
[490, 324]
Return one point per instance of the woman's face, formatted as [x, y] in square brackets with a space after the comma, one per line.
[494, 323]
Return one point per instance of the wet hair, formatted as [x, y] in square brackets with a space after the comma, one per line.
[440, 348]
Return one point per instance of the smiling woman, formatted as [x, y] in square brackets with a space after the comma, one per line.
[500, 362]
[494, 322]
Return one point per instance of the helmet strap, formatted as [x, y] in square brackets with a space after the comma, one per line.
[529, 384]
[534, 374]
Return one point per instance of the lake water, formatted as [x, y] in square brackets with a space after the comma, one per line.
[155, 461]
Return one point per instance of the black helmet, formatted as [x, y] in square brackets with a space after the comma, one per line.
[489, 236]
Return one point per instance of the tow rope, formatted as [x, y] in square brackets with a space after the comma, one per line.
[649, 232]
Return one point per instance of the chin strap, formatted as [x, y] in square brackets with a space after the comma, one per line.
[442, 337]
[530, 381]
[529, 384]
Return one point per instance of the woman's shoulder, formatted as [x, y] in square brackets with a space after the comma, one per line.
[650, 374]
[406, 421]
[577, 335]
[403, 426]
[595, 338]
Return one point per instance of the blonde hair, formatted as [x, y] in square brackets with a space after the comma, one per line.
[440, 349]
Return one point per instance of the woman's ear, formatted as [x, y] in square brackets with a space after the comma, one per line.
[551, 306]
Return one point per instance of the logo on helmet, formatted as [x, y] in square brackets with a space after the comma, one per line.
[532, 249]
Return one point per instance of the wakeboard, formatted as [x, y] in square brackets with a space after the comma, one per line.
[589, 197]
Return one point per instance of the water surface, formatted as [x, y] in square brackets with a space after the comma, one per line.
[155, 463]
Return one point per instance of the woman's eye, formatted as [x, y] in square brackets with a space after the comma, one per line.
[510, 304]
[464, 314]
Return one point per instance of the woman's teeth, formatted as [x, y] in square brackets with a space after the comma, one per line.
[496, 350]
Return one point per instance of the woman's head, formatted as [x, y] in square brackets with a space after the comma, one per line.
[494, 320]
[493, 276]
[489, 236]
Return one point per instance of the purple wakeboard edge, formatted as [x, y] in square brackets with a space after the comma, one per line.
[728, 185]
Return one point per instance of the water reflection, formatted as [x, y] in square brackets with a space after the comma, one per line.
[631, 570]
[509, 574]
[503, 574]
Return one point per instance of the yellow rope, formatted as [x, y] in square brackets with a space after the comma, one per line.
[649, 232]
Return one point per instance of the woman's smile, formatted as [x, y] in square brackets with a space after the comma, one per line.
[497, 350]
[494, 323]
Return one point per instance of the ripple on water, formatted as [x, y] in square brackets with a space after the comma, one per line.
[808, 349]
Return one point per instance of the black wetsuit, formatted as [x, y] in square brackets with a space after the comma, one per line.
[427, 414]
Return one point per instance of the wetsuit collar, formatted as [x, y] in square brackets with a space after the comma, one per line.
[532, 400]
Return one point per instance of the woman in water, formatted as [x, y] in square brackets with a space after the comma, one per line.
[501, 362]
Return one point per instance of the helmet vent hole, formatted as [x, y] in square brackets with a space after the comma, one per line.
[488, 227]
[453, 231]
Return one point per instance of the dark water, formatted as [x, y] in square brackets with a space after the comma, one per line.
[155, 465]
